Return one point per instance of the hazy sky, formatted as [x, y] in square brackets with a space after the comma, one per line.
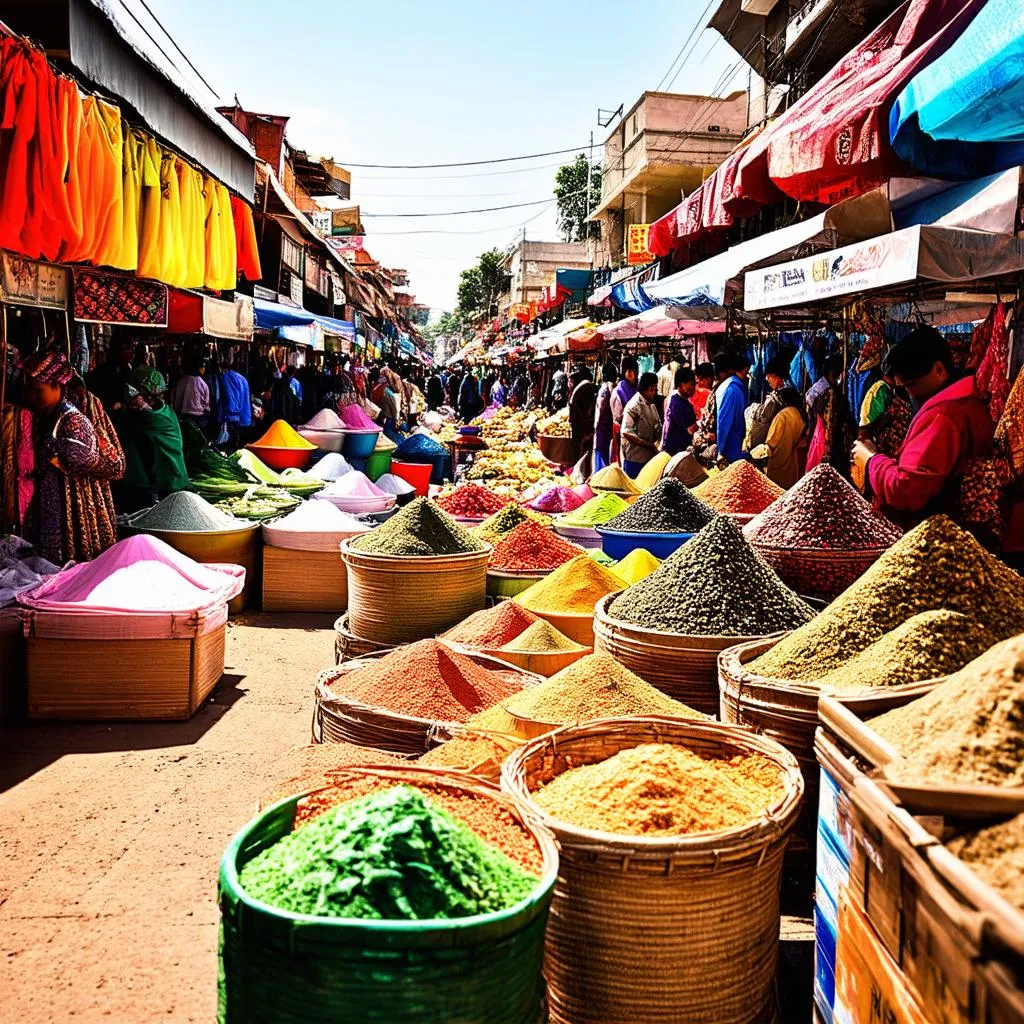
[415, 82]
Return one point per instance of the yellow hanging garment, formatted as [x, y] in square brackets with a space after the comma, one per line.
[109, 193]
[131, 191]
[193, 218]
[221, 273]
[151, 260]
[172, 245]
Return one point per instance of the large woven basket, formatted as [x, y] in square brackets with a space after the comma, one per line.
[658, 930]
[303, 581]
[283, 968]
[818, 573]
[341, 719]
[348, 646]
[538, 662]
[397, 599]
[788, 713]
[685, 667]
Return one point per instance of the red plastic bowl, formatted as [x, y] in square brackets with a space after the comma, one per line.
[415, 473]
[282, 458]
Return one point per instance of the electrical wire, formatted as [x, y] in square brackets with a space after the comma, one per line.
[478, 231]
[465, 163]
[693, 31]
[485, 209]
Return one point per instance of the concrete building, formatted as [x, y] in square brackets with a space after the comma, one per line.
[531, 268]
[661, 150]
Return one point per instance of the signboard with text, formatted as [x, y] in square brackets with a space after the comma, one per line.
[637, 252]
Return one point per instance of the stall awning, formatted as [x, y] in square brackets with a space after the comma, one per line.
[271, 315]
[657, 323]
[985, 204]
[337, 328]
[963, 115]
[925, 253]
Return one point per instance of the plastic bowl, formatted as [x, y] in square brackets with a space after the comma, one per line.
[359, 506]
[415, 473]
[325, 440]
[359, 444]
[585, 536]
[618, 543]
[377, 464]
[282, 458]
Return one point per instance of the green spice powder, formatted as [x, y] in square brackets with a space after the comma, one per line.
[421, 528]
[392, 855]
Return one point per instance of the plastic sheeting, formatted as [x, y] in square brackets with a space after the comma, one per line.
[657, 323]
[963, 115]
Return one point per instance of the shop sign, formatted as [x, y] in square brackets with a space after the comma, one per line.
[260, 292]
[637, 251]
[877, 263]
[347, 247]
[321, 220]
[337, 288]
[345, 221]
[28, 283]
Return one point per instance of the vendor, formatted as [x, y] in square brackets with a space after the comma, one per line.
[603, 416]
[731, 404]
[621, 396]
[680, 418]
[641, 426]
[951, 426]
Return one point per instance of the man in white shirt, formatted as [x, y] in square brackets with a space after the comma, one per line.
[191, 397]
[641, 426]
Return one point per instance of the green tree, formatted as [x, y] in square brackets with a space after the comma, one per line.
[577, 193]
[480, 286]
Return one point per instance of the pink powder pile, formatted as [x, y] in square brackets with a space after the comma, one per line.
[557, 499]
[355, 419]
[353, 485]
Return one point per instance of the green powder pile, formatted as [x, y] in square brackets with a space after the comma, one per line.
[421, 528]
[541, 638]
[926, 646]
[185, 512]
[600, 509]
[505, 520]
[392, 855]
[935, 565]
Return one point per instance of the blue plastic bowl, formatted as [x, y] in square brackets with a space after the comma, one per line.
[618, 543]
[361, 445]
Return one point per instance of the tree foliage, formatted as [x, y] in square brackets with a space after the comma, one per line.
[577, 193]
[480, 285]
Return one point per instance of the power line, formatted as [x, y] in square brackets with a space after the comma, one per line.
[454, 177]
[174, 43]
[686, 41]
[449, 195]
[465, 163]
[477, 231]
[485, 209]
[131, 14]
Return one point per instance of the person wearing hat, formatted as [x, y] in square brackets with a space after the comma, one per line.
[154, 455]
[70, 514]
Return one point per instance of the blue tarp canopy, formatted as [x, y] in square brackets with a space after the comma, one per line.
[270, 315]
[962, 116]
[577, 281]
[338, 328]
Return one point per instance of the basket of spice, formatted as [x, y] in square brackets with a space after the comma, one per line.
[741, 491]
[506, 519]
[919, 613]
[348, 646]
[395, 701]
[478, 746]
[566, 597]
[471, 503]
[456, 933]
[540, 649]
[713, 593]
[492, 627]
[671, 836]
[821, 535]
[414, 576]
[524, 555]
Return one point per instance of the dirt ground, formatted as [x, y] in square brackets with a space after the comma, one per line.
[111, 836]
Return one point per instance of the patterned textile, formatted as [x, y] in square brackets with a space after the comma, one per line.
[51, 368]
[992, 375]
[17, 458]
[109, 299]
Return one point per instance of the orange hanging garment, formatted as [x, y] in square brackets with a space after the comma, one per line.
[193, 218]
[248, 253]
[71, 119]
[109, 199]
[151, 263]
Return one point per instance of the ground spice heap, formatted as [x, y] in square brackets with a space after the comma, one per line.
[541, 638]
[471, 501]
[492, 627]
[968, 730]
[659, 789]
[281, 434]
[926, 646]
[480, 747]
[185, 512]
[505, 521]
[419, 448]
[555, 500]
[714, 585]
[596, 686]
[596, 512]
[822, 511]
[393, 855]
[636, 566]
[531, 546]
[652, 471]
[613, 478]
[668, 507]
[741, 489]
[427, 679]
[996, 855]
[421, 528]
[355, 419]
[935, 565]
[572, 589]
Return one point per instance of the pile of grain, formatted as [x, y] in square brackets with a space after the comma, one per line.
[741, 489]
[492, 627]
[541, 638]
[421, 528]
[996, 855]
[572, 589]
[669, 507]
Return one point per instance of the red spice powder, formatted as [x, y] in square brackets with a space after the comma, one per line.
[427, 679]
[741, 488]
[532, 546]
[471, 501]
[493, 627]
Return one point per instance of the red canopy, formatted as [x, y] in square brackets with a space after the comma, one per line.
[833, 143]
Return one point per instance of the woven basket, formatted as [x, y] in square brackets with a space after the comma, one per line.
[511, 584]
[341, 719]
[788, 713]
[349, 647]
[818, 573]
[681, 929]
[684, 667]
[303, 581]
[397, 599]
[539, 664]
[284, 968]
[486, 763]
[575, 626]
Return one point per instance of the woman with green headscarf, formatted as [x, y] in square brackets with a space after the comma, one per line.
[151, 434]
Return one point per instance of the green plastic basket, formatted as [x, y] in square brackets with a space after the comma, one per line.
[282, 968]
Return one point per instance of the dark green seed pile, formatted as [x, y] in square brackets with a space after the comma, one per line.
[714, 585]
[668, 507]
[421, 528]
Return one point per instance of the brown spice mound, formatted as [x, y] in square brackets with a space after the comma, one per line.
[596, 686]
[996, 855]
[488, 818]
[492, 627]
[481, 749]
[312, 766]
[541, 638]
[969, 730]
[659, 789]
[427, 679]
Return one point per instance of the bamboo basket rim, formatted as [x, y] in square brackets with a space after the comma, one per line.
[734, 677]
[453, 777]
[341, 625]
[497, 652]
[770, 826]
[601, 616]
[352, 556]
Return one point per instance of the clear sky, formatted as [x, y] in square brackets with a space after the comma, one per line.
[415, 81]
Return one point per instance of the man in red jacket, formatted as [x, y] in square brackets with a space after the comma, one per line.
[951, 426]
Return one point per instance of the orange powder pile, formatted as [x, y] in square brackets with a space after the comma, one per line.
[281, 434]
